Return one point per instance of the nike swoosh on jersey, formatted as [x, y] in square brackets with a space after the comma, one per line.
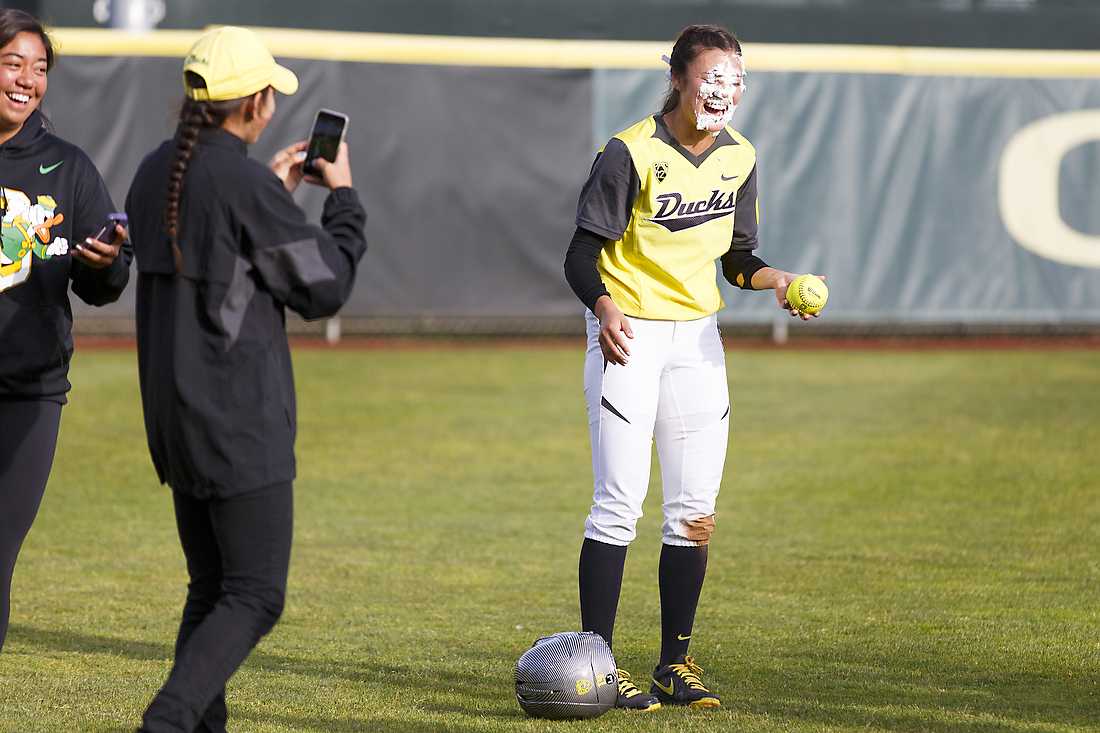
[44, 169]
[730, 178]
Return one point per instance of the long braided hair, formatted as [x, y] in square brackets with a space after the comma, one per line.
[692, 40]
[195, 115]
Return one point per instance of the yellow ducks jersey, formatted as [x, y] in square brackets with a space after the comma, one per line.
[668, 215]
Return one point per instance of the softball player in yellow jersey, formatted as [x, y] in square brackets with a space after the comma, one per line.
[665, 199]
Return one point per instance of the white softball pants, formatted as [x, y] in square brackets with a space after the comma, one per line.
[673, 390]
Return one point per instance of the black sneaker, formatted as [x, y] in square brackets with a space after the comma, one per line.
[679, 684]
[631, 698]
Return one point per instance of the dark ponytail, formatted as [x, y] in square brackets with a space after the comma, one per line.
[692, 40]
[194, 116]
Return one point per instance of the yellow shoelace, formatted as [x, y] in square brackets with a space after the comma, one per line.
[689, 672]
[626, 685]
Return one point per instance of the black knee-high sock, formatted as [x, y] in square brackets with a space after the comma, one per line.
[601, 578]
[681, 578]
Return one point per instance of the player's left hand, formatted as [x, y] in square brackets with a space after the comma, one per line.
[287, 164]
[782, 282]
[97, 254]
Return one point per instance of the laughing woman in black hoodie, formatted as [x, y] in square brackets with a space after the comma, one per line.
[52, 203]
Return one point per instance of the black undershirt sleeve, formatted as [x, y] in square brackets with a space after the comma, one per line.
[739, 263]
[738, 267]
[580, 267]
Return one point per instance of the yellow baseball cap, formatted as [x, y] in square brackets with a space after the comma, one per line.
[234, 63]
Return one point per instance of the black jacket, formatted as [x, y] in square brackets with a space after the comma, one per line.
[51, 196]
[216, 381]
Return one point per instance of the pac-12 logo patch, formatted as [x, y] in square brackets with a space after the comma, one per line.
[660, 169]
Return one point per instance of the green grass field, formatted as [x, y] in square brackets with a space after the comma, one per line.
[906, 541]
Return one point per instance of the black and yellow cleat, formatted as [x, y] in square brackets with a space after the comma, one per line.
[679, 684]
[631, 698]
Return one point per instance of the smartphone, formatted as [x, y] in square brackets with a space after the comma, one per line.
[108, 228]
[324, 141]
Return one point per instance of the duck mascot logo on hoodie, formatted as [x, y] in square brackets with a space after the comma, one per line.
[25, 233]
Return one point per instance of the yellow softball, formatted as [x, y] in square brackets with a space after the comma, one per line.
[808, 294]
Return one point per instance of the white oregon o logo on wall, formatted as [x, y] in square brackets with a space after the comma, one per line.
[1028, 188]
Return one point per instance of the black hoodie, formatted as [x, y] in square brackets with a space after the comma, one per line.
[51, 196]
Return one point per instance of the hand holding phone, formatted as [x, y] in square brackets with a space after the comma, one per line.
[100, 250]
[338, 174]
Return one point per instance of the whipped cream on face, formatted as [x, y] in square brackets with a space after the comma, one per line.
[714, 105]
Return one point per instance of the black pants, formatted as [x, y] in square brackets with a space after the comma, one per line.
[238, 553]
[29, 430]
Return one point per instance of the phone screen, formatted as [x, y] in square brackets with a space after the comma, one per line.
[324, 141]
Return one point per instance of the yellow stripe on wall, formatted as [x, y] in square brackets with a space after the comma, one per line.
[571, 54]
[922, 61]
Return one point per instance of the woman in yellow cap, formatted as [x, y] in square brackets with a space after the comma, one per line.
[222, 250]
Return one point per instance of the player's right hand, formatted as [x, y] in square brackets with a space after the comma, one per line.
[615, 331]
[337, 174]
